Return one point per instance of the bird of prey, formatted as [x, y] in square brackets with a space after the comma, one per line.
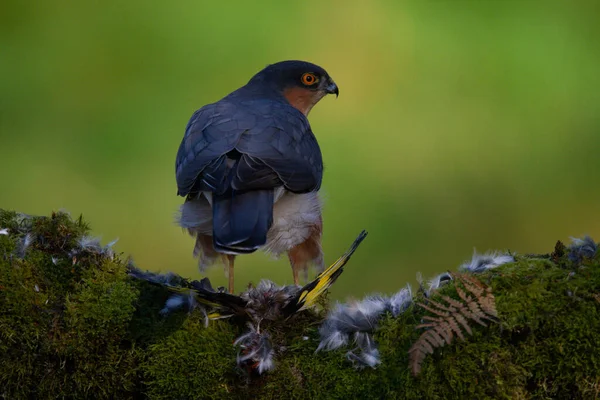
[250, 169]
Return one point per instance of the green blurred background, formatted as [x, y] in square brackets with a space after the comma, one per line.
[460, 125]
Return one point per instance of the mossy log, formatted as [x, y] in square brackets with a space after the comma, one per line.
[75, 325]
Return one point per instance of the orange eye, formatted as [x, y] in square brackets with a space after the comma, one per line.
[309, 79]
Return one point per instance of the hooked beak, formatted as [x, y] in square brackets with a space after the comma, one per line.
[332, 89]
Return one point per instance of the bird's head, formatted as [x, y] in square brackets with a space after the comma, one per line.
[302, 83]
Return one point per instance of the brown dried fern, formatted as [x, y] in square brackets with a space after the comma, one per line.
[476, 304]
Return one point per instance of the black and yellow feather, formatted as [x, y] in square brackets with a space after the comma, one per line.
[308, 295]
[220, 304]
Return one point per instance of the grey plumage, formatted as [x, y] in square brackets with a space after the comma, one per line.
[24, 222]
[23, 245]
[183, 299]
[166, 279]
[345, 321]
[368, 354]
[90, 244]
[437, 282]
[267, 300]
[108, 250]
[176, 301]
[400, 301]
[195, 216]
[479, 263]
[255, 348]
[355, 323]
[482, 262]
[580, 249]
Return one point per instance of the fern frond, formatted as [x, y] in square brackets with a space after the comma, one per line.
[475, 303]
[443, 331]
[485, 298]
[462, 320]
[471, 283]
[433, 310]
[477, 314]
[442, 307]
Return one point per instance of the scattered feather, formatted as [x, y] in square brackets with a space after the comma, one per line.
[108, 251]
[23, 245]
[165, 279]
[4, 231]
[345, 321]
[356, 322]
[438, 282]
[419, 278]
[365, 358]
[89, 243]
[256, 350]
[482, 262]
[581, 249]
[399, 302]
[368, 354]
[267, 299]
[173, 303]
[177, 301]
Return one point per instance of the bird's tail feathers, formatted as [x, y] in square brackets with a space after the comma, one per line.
[308, 295]
[241, 220]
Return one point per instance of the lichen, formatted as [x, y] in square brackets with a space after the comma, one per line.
[75, 325]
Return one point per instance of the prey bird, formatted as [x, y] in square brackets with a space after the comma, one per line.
[266, 301]
[250, 169]
[265, 308]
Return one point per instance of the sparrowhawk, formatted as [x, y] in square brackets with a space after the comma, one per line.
[250, 169]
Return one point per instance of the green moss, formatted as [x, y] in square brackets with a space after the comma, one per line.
[194, 362]
[80, 327]
[63, 319]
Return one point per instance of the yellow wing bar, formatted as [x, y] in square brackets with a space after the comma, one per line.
[311, 292]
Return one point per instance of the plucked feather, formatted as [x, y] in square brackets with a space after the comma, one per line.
[580, 249]
[482, 262]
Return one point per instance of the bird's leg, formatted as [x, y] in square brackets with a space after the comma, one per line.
[306, 253]
[229, 258]
[295, 272]
[301, 256]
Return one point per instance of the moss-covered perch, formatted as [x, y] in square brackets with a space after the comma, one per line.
[75, 325]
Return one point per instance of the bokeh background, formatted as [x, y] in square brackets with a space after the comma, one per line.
[459, 125]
